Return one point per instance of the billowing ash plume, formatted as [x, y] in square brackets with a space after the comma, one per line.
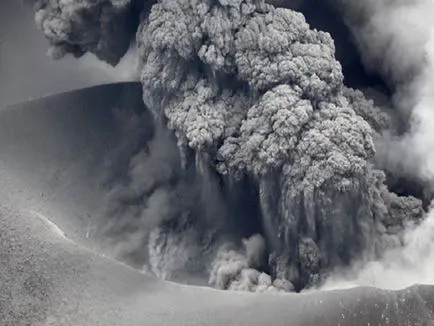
[396, 39]
[256, 100]
[101, 27]
[238, 270]
[261, 91]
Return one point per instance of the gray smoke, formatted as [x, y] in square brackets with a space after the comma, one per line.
[256, 87]
[77, 27]
[28, 73]
[396, 40]
[398, 267]
[144, 198]
[237, 270]
[256, 99]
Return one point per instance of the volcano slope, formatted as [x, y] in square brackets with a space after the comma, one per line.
[53, 159]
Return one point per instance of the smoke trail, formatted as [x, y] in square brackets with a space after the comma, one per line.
[254, 97]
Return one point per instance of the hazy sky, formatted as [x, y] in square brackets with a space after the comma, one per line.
[25, 70]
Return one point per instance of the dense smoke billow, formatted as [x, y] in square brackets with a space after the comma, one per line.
[26, 71]
[282, 171]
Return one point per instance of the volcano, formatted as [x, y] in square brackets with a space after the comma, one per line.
[58, 158]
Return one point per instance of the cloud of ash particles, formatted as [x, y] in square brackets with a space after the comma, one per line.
[276, 180]
[396, 39]
[405, 264]
[28, 73]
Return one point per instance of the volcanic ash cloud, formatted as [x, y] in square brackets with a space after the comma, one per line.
[252, 92]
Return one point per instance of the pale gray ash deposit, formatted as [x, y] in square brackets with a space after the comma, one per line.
[283, 170]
